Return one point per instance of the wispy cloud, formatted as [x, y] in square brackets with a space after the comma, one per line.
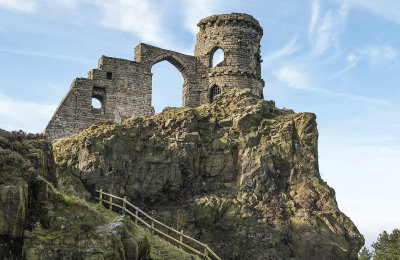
[195, 10]
[292, 77]
[25, 6]
[296, 78]
[286, 50]
[46, 55]
[315, 8]
[70, 4]
[375, 55]
[137, 16]
[352, 60]
[324, 30]
[29, 116]
[380, 54]
[388, 9]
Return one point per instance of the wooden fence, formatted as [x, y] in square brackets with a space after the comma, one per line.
[112, 200]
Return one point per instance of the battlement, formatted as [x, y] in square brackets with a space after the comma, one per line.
[233, 19]
[123, 88]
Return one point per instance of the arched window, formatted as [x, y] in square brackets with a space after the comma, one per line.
[215, 90]
[96, 103]
[216, 57]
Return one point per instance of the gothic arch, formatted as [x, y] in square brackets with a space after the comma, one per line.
[147, 56]
[171, 59]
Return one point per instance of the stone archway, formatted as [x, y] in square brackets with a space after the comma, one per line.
[148, 56]
[167, 85]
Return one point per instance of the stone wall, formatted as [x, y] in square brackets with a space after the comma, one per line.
[124, 87]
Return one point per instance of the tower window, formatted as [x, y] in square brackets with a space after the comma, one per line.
[216, 57]
[215, 90]
[109, 75]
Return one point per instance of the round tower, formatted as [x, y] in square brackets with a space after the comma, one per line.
[238, 35]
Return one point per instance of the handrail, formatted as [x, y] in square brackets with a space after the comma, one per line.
[207, 251]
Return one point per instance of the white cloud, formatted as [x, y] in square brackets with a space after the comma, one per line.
[388, 9]
[194, 10]
[137, 16]
[325, 35]
[381, 53]
[46, 55]
[292, 77]
[296, 78]
[352, 61]
[375, 55]
[286, 50]
[351, 58]
[29, 116]
[25, 6]
[324, 31]
[315, 8]
[71, 4]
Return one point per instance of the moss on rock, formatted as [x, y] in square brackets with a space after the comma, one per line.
[242, 173]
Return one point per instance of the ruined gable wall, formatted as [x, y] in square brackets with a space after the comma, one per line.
[117, 83]
[124, 88]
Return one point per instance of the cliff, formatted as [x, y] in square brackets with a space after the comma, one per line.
[38, 220]
[239, 174]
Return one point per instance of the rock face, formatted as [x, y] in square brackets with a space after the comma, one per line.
[22, 159]
[238, 174]
[37, 221]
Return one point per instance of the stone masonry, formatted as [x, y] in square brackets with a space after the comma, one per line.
[124, 87]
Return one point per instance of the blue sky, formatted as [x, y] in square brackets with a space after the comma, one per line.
[337, 58]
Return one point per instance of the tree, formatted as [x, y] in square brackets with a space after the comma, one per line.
[365, 254]
[387, 247]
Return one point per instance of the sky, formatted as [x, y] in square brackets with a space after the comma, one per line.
[339, 59]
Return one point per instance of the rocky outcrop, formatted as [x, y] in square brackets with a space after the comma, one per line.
[37, 221]
[238, 174]
[22, 159]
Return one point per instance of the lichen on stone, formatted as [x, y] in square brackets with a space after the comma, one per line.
[242, 174]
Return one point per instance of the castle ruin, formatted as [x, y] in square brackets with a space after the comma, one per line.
[124, 87]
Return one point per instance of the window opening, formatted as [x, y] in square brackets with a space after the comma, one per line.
[96, 103]
[215, 90]
[217, 57]
[109, 75]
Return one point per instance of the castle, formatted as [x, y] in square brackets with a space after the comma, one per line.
[124, 87]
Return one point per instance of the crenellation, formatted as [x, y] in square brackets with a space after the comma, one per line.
[124, 87]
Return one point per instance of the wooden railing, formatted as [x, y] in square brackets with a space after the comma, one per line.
[204, 252]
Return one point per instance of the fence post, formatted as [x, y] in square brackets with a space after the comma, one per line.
[181, 238]
[101, 196]
[152, 226]
[206, 252]
[137, 215]
[110, 203]
[123, 205]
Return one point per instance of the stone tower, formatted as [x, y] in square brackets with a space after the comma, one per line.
[238, 35]
[124, 87]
